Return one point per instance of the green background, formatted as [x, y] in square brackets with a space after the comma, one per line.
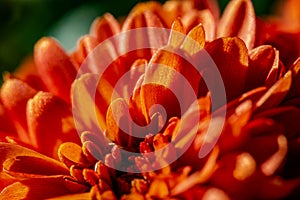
[23, 22]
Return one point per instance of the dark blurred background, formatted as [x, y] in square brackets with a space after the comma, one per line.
[23, 22]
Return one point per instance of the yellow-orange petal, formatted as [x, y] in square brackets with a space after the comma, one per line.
[55, 66]
[15, 94]
[195, 40]
[104, 27]
[231, 58]
[71, 154]
[177, 34]
[238, 20]
[79, 196]
[50, 123]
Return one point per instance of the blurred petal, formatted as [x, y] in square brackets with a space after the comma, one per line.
[104, 27]
[205, 17]
[55, 66]
[238, 20]
[275, 94]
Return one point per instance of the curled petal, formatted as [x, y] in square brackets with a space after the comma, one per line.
[22, 162]
[55, 66]
[50, 123]
[35, 188]
[238, 20]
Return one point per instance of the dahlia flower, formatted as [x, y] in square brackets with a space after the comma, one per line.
[173, 102]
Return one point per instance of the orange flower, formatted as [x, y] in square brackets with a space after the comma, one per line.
[240, 144]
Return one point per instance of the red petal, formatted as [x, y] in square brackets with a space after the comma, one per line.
[50, 123]
[294, 90]
[55, 66]
[231, 58]
[28, 73]
[263, 67]
[238, 20]
[6, 123]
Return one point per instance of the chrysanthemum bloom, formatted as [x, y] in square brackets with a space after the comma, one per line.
[253, 156]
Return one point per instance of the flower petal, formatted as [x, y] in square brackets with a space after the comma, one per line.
[20, 161]
[85, 46]
[275, 94]
[177, 34]
[55, 66]
[238, 20]
[71, 154]
[205, 17]
[263, 67]
[15, 94]
[50, 123]
[104, 27]
[194, 41]
[294, 90]
[35, 188]
[231, 57]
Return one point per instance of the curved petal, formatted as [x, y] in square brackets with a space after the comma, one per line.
[263, 67]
